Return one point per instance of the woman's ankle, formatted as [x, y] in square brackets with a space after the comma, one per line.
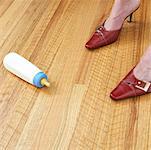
[121, 9]
[143, 69]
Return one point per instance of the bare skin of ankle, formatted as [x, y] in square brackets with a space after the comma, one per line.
[143, 69]
[121, 9]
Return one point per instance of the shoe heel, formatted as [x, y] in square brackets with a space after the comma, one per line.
[129, 19]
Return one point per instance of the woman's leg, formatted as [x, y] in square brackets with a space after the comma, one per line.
[121, 9]
[143, 69]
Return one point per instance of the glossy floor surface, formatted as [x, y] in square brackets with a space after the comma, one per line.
[76, 112]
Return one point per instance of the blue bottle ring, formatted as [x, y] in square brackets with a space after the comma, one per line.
[37, 79]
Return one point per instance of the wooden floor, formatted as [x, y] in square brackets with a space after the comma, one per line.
[76, 112]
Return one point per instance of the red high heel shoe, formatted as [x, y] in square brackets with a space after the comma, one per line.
[102, 37]
[130, 86]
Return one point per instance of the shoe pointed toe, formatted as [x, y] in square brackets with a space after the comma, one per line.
[95, 42]
[115, 95]
[89, 45]
[129, 87]
[122, 91]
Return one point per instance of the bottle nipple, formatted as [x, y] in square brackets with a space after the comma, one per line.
[44, 82]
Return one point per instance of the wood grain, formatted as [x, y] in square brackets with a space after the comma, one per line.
[76, 112]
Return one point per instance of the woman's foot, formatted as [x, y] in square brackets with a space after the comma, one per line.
[138, 80]
[109, 31]
[121, 9]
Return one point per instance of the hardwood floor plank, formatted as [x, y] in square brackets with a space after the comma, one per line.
[76, 112]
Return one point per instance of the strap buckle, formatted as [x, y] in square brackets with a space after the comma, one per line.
[146, 86]
[99, 28]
